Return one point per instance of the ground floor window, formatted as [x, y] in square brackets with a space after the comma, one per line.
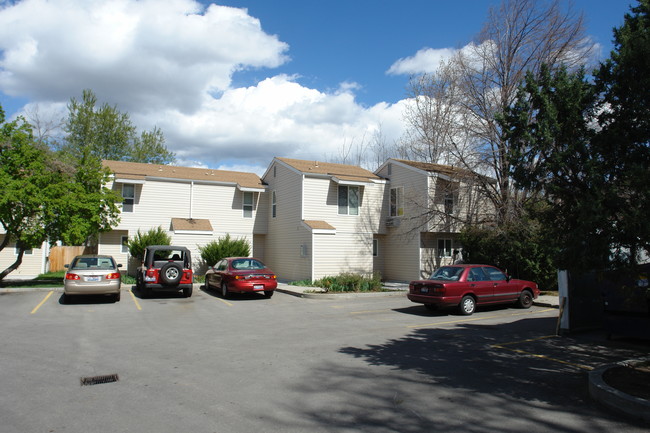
[444, 247]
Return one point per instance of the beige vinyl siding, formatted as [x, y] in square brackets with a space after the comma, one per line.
[402, 255]
[31, 266]
[286, 233]
[111, 244]
[343, 252]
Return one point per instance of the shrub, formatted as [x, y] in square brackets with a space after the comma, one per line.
[214, 251]
[140, 241]
[347, 282]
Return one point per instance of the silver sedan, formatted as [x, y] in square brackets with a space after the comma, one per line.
[92, 275]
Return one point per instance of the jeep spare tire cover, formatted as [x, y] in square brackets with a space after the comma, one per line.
[171, 274]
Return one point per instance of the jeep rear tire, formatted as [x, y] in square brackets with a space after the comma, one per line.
[171, 274]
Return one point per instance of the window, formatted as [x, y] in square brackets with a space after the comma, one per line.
[444, 247]
[449, 203]
[303, 250]
[348, 200]
[273, 204]
[125, 244]
[248, 205]
[375, 247]
[27, 252]
[477, 274]
[397, 201]
[128, 194]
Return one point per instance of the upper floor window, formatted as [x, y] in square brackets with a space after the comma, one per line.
[273, 204]
[27, 252]
[449, 202]
[396, 201]
[128, 194]
[248, 205]
[348, 200]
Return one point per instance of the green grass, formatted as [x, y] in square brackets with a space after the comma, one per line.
[346, 283]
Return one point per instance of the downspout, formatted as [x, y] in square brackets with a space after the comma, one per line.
[191, 197]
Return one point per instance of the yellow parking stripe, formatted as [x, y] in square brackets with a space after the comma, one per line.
[41, 303]
[137, 304]
[225, 302]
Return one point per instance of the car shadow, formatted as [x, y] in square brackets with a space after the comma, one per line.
[157, 294]
[420, 310]
[232, 296]
[87, 299]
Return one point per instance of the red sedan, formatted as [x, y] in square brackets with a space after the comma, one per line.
[466, 286]
[241, 275]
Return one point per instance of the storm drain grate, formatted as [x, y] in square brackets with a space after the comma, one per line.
[97, 380]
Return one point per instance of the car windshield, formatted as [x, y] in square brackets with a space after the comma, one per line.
[449, 273]
[102, 263]
[247, 264]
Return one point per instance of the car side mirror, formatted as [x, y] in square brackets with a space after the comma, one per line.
[66, 265]
[508, 278]
[119, 265]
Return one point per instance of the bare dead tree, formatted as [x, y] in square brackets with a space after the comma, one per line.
[453, 116]
[47, 131]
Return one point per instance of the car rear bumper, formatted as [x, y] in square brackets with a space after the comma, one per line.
[161, 287]
[435, 300]
[91, 289]
[252, 286]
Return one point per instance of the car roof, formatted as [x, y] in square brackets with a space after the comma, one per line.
[99, 256]
[166, 247]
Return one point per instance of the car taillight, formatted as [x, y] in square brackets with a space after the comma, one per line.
[274, 277]
[239, 277]
[72, 277]
[113, 276]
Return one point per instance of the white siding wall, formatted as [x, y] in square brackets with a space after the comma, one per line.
[401, 256]
[285, 232]
[32, 264]
[343, 252]
[157, 202]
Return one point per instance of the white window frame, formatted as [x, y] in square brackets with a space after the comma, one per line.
[396, 202]
[444, 251]
[124, 246]
[247, 208]
[346, 207]
[128, 200]
[274, 204]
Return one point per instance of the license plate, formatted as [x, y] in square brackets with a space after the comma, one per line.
[258, 287]
[424, 290]
[93, 278]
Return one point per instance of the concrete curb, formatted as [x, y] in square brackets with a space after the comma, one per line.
[325, 295]
[612, 398]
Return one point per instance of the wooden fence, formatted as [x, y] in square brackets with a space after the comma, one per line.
[60, 256]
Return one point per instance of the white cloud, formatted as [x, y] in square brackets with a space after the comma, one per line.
[425, 60]
[169, 64]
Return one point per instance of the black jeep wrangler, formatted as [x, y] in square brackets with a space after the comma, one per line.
[165, 267]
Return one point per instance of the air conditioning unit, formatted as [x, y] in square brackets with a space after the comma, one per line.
[393, 222]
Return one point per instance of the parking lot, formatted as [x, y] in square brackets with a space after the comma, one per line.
[290, 364]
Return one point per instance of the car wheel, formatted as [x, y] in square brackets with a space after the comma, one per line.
[525, 299]
[268, 293]
[117, 296]
[224, 290]
[467, 305]
[431, 307]
[171, 274]
[187, 291]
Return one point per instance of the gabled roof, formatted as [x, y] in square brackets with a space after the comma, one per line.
[135, 171]
[448, 171]
[341, 173]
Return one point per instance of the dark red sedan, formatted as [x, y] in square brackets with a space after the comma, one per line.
[466, 286]
[241, 275]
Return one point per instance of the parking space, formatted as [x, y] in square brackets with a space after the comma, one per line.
[292, 364]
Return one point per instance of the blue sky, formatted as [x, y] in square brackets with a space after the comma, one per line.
[233, 87]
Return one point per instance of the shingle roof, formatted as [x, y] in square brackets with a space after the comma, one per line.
[191, 224]
[448, 170]
[140, 171]
[340, 171]
[319, 225]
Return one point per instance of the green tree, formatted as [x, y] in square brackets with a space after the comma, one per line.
[585, 148]
[109, 134]
[154, 236]
[214, 251]
[622, 144]
[44, 199]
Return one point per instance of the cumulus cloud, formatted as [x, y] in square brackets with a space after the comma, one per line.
[170, 64]
[424, 61]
